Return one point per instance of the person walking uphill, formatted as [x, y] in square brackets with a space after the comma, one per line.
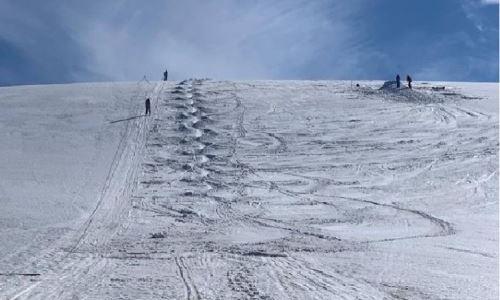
[408, 78]
[148, 107]
[398, 81]
[165, 75]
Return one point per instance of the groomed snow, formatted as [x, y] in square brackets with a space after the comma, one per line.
[249, 190]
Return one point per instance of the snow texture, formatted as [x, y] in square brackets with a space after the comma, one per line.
[249, 190]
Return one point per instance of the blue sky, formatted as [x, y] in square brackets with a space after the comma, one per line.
[62, 41]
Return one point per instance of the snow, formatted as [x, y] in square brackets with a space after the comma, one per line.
[249, 190]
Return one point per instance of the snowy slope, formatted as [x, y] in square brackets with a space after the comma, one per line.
[249, 190]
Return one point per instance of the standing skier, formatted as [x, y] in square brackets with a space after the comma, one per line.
[398, 81]
[148, 107]
[165, 75]
[408, 78]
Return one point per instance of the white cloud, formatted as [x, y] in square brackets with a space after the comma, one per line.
[233, 39]
[219, 39]
[486, 2]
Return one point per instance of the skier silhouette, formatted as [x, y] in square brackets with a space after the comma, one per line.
[408, 78]
[398, 81]
[165, 75]
[148, 107]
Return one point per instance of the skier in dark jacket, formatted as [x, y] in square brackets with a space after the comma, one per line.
[408, 78]
[165, 75]
[398, 81]
[148, 107]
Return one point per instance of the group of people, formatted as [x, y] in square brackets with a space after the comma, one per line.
[165, 77]
[148, 101]
[398, 81]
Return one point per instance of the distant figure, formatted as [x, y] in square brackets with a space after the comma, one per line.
[148, 107]
[398, 81]
[165, 75]
[357, 84]
[408, 78]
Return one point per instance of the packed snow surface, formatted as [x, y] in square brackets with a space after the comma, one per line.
[249, 190]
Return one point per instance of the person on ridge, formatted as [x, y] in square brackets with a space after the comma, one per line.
[165, 75]
[408, 78]
[148, 107]
[398, 81]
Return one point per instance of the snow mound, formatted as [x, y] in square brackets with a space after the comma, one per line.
[390, 91]
[389, 85]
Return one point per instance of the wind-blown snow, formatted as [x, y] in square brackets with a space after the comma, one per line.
[249, 190]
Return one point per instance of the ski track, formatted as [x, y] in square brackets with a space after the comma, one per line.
[206, 200]
[82, 255]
